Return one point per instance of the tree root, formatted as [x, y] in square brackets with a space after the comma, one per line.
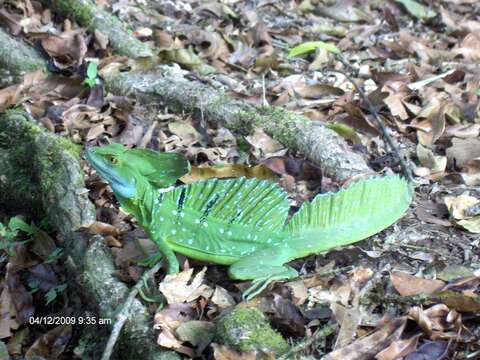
[16, 59]
[51, 166]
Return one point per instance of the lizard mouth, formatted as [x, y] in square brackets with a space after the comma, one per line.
[107, 171]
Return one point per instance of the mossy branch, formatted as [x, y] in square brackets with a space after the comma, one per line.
[318, 143]
[16, 59]
[87, 14]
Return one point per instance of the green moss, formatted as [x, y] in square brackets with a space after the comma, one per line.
[49, 160]
[247, 329]
[31, 130]
[74, 149]
[82, 12]
[115, 21]
[275, 121]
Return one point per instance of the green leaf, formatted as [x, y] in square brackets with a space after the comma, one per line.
[34, 286]
[478, 92]
[53, 293]
[92, 73]
[16, 224]
[416, 9]
[54, 256]
[92, 70]
[310, 46]
[50, 296]
[345, 131]
[90, 82]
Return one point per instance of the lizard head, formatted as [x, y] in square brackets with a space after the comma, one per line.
[125, 169]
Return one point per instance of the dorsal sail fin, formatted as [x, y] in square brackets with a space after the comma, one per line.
[249, 202]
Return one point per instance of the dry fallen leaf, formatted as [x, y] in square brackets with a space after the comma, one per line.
[263, 144]
[222, 298]
[364, 347]
[427, 158]
[464, 209]
[178, 288]
[399, 348]
[8, 316]
[168, 320]
[222, 352]
[471, 173]
[185, 131]
[168, 340]
[228, 171]
[437, 321]
[408, 285]
[463, 150]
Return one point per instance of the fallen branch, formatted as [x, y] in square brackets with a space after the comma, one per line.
[320, 334]
[318, 143]
[87, 14]
[16, 59]
[123, 315]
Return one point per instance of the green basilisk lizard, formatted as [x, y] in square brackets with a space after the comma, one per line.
[242, 222]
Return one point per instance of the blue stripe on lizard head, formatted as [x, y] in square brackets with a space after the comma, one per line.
[106, 161]
[124, 168]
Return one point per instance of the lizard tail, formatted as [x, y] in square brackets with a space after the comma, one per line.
[353, 214]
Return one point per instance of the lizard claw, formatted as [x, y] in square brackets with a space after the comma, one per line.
[260, 284]
[256, 288]
[150, 260]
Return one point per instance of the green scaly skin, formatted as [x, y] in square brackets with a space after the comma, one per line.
[240, 222]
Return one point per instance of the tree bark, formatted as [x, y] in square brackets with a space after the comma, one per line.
[52, 183]
[16, 59]
[87, 14]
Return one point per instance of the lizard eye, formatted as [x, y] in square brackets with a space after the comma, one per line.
[113, 160]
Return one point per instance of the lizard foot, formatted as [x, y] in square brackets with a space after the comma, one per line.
[150, 260]
[258, 285]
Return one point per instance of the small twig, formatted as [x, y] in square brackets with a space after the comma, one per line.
[401, 300]
[264, 93]
[322, 333]
[329, 272]
[473, 355]
[122, 316]
[407, 171]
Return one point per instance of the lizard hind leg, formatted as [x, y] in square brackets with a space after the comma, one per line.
[262, 270]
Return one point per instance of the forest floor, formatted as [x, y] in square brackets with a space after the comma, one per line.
[410, 292]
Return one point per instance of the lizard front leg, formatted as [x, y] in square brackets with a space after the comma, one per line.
[172, 263]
